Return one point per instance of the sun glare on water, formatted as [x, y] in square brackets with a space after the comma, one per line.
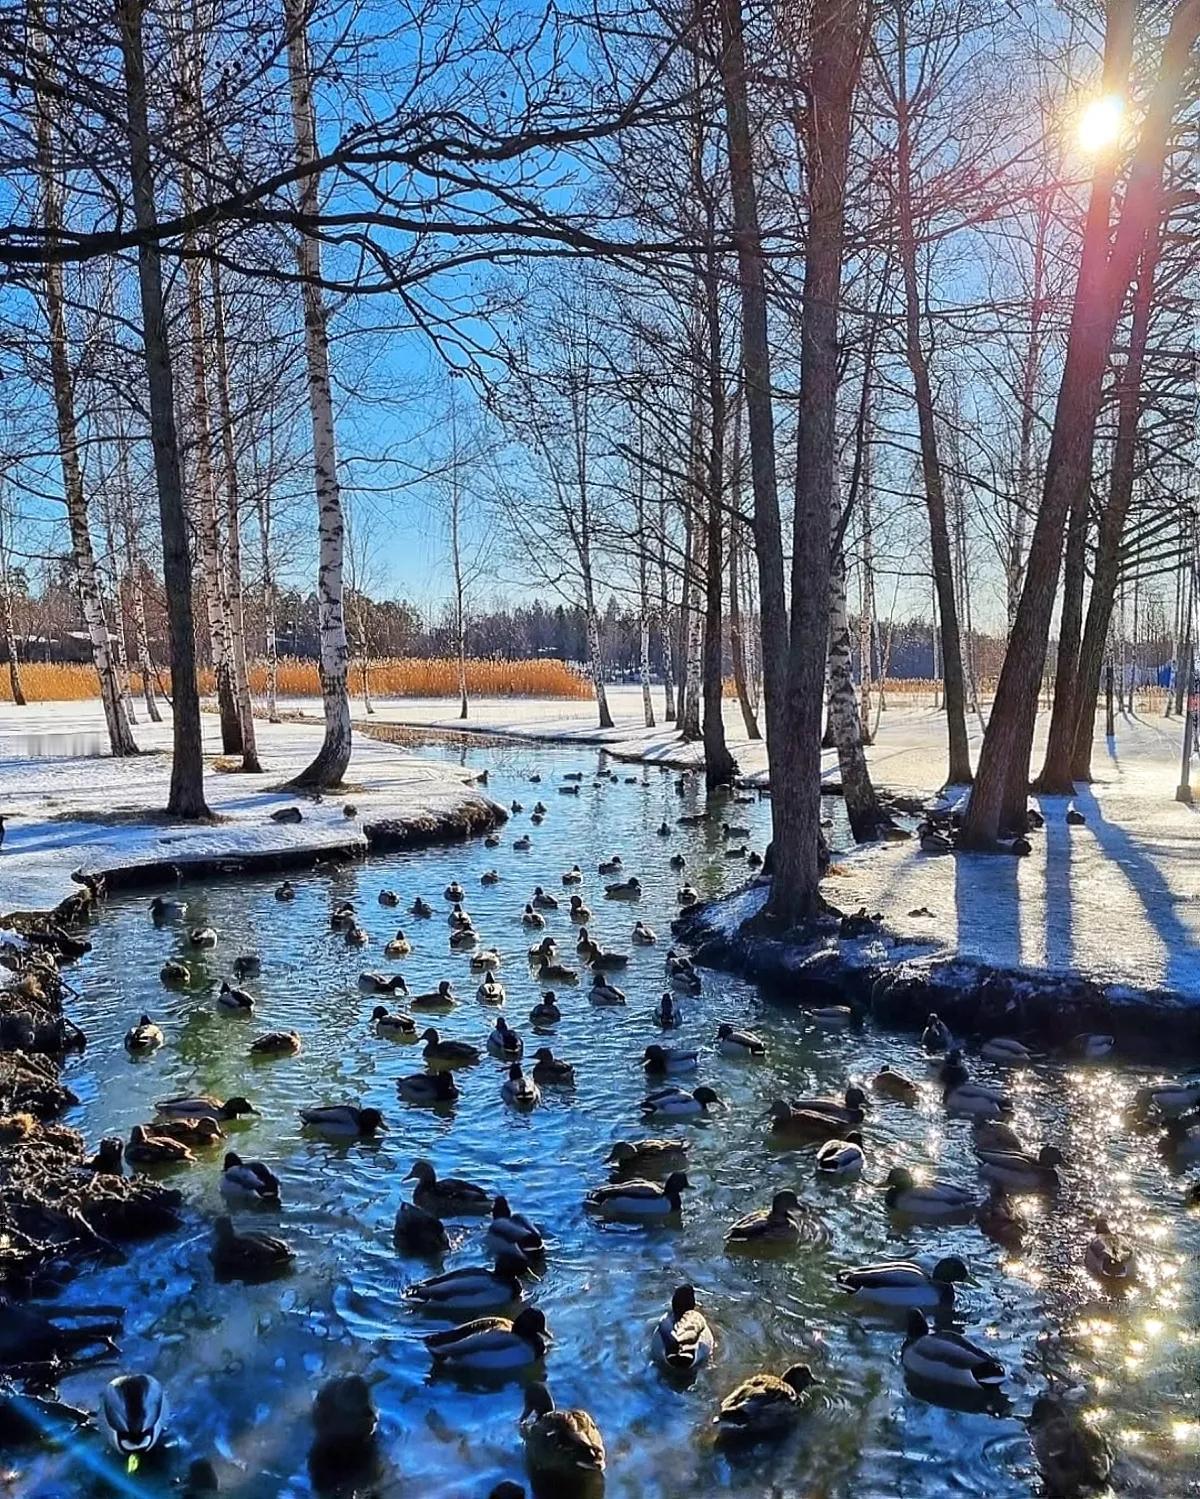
[1100, 122]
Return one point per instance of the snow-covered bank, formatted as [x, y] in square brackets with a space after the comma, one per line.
[70, 809]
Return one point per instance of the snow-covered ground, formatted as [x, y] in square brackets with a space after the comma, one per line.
[70, 806]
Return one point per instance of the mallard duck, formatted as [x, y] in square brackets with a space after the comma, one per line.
[248, 1181]
[630, 889]
[849, 1109]
[398, 947]
[546, 1011]
[1168, 1101]
[889, 1083]
[532, 919]
[503, 1041]
[678, 965]
[834, 1017]
[447, 1053]
[344, 1421]
[490, 877]
[682, 1340]
[544, 950]
[515, 807]
[463, 938]
[1109, 1257]
[421, 907]
[174, 974]
[1000, 1223]
[487, 961]
[743, 1044]
[343, 1121]
[523, 844]
[388, 898]
[628, 1157]
[491, 991]
[447, 1196]
[146, 1149]
[236, 1001]
[585, 947]
[540, 808]
[931, 1200]
[143, 1037]
[664, 1061]
[542, 900]
[356, 936]
[455, 892]
[493, 840]
[841, 1160]
[995, 1135]
[513, 1230]
[561, 1446]
[551, 1071]
[519, 1091]
[247, 1254]
[276, 1044]
[947, 1359]
[765, 1405]
[204, 1106]
[1181, 1143]
[668, 1013]
[441, 998]
[573, 876]
[687, 895]
[341, 918]
[134, 1407]
[604, 993]
[677, 861]
[903, 1283]
[286, 891]
[777, 1225]
[642, 935]
[493, 1345]
[636, 1198]
[393, 1023]
[475, 1288]
[579, 911]
[609, 866]
[975, 1100]
[1015, 1171]
[674, 1103]
[1006, 1052]
[381, 983]
[607, 959]
[247, 965]
[431, 1089]
[936, 1036]
[802, 1125]
[573, 775]
[202, 936]
[418, 1232]
[1090, 1047]
[162, 909]
[196, 1134]
[1074, 1458]
[550, 971]
[931, 841]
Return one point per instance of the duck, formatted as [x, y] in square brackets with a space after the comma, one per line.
[639, 1199]
[163, 909]
[562, 1447]
[247, 965]
[389, 898]
[493, 840]
[533, 919]
[936, 1036]
[841, 1160]
[754, 859]
[579, 911]
[546, 1011]
[1168, 1101]
[630, 889]
[492, 1345]
[573, 775]
[849, 1109]
[146, 1149]
[447, 1196]
[572, 876]
[642, 935]
[947, 1359]
[546, 949]
[607, 959]
[475, 1288]
[674, 1103]
[777, 1225]
[382, 983]
[1074, 1458]
[834, 1017]
[490, 877]
[419, 1232]
[441, 998]
[1181, 1143]
[285, 891]
[343, 1121]
[604, 993]
[196, 1134]
[143, 1037]
[682, 972]
[550, 971]
[540, 808]
[247, 1254]
[1015, 1172]
[1109, 1257]
[542, 900]
[504, 1042]
[732, 1042]
[394, 1023]
[523, 844]
[202, 936]
[931, 841]
[175, 974]
[551, 1071]
[997, 1219]
[627, 1157]
[356, 936]
[904, 1283]
[341, 918]
[687, 895]
[463, 938]
[677, 861]
[236, 1001]
[668, 1013]
[455, 892]
[248, 1181]
[509, 1229]
[585, 947]
[1006, 1052]
[932, 1200]
[1092, 1047]
[491, 991]
[134, 1407]
[974, 1099]
[204, 1106]
[682, 1340]
[344, 1422]
[803, 1126]
[763, 1406]
[519, 1091]
[889, 1083]
[276, 1044]
[398, 947]
[609, 866]
[447, 1053]
[994, 1135]
[430, 1089]
[421, 907]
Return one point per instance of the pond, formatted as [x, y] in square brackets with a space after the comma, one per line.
[241, 1363]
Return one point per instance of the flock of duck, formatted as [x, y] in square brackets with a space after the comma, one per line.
[494, 1326]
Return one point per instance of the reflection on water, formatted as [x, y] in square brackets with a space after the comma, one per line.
[241, 1363]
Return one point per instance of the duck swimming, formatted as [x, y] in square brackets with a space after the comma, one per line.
[1110, 1258]
[841, 1160]
[519, 1091]
[947, 1359]
[850, 1109]
[604, 993]
[196, 1134]
[247, 1255]
[421, 907]
[936, 1036]
[630, 889]
[682, 1340]
[447, 1196]
[642, 935]
[687, 895]
[1004, 1051]
[504, 1042]
[448, 1053]
[542, 900]
[247, 965]
[276, 1044]
[174, 974]
[491, 991]
[491, 1345]
[472, 1289]
[932, 1200]
[638, 1199]
[994, 1134]
[609, 866]
[455, 892]
[418, 1232]
[513, 1230]
[523, 844]
[573, 876]
[732, 1042]
[490, 877]
[441, 998]
[236, 1001]
[663, 1061]
[162, 909]
[903, 1283]
[804, 1126]
[674, 1103]
[677, 861]
[343, 1121]
[463, 938]
[579, 912]
[382, 983]
[249, 1182]
[1015, 1171]
[550, 971]
[146, 1149]
[398, 947]
[763, 1406]
[767, 1227]
[286, 891]
[341, 918]
[889, 1083]
[144, 1037]
[561, 1446]
[134, 1407]
[668, 1013]
[388, 898]
[551, 1071]
[203, 1106]
[393, 1023]
[202, 936]
[430, 1089]
[646, 1155]
[546, 1011]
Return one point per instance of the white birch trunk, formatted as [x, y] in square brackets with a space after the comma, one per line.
[862, 805]
[270, 646]
[133, 570]
[120, 640]
[16, 689]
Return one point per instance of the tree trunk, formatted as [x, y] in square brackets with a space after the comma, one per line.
[595, 658]
[1103, 282]
[1014, 561]
[120, 736]
[120, 640]
[643, 584]
[862, 805]
[334, 755]
[737, 644]
[270, 646]
[460, 609]
[666, 634]
[133, 569]
[16, 690]
[186, 797]
[954, 696]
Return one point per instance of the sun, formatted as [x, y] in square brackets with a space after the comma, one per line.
[1100, 123]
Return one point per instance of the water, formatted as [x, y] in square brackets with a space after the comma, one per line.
[241, 1363]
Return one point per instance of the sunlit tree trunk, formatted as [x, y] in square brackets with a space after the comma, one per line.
[133, 571]
[737, 641]
[16, 690]
[862, 805]
[643, 541]
[666, 632]
[119, 638]
[262, 501]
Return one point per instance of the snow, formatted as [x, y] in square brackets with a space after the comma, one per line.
[71, 808]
